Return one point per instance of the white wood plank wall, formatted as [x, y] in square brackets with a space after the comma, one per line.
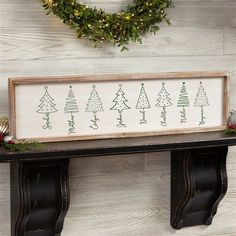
[123, 195]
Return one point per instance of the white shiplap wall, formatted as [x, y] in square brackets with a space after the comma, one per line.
[123, 195]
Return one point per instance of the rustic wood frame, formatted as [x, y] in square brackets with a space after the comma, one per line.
[13, 82]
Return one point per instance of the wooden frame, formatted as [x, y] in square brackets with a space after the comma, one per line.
[125, 78]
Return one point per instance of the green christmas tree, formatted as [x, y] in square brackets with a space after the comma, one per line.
[94, 105]
[71, 107]
[201, 101]
[120, 106]
[163, 101]
[46, 107]
[183, 102]
[143, 104]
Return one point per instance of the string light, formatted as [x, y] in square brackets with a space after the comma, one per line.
[118, 28]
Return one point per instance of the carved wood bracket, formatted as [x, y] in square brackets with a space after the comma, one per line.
[198, 183]
[39, 197]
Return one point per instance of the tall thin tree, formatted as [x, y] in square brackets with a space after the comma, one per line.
[71, 107]
[183, 102]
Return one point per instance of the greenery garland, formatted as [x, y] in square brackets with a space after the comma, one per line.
[230, 131]
[7, 142]
[23, 146]
[143, 17]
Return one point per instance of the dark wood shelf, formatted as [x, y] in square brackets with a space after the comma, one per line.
[40, 179]
[91, 148]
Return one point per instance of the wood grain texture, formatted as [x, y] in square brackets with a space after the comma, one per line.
[28, 45]
[128, 196]
[135, 202]
[229, 40]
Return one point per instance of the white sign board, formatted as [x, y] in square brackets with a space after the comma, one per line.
[78, 108]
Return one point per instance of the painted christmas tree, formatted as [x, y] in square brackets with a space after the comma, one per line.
[46, 107]
[183, 102]
[71, 107]
[120, 106]
[143, 104]
[94, 105]
[201, 101]
[163, 101]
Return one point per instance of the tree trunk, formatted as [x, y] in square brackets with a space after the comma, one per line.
[163, 116]
[143, 120]
[48, 124]
[202, 122]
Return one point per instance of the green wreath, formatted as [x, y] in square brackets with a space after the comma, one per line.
[143, 17]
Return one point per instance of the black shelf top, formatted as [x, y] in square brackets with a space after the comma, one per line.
[79, 149]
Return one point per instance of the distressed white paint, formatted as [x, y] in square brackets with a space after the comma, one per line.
[119, 196]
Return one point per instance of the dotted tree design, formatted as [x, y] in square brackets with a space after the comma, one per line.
[94, 105]
[163, 101]
[71, 108]
[143, 104]
[183, 102]
[120, 106]
[47, 106]
[201, 101]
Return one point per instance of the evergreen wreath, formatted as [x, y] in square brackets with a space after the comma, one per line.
[143, 17]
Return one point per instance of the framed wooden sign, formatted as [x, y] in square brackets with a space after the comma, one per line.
[114, 106]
